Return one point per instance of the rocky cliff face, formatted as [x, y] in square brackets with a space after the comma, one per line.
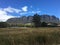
[24, 19]
[47, 18]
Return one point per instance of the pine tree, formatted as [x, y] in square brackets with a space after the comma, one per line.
[36, 20]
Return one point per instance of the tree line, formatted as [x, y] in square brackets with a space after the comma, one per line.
[37, 22]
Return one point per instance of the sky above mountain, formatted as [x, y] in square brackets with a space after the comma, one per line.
[17, 8]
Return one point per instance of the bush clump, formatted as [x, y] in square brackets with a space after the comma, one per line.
[4, 25]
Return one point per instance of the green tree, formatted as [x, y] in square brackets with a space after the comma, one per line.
[36, 20]
[44, 24]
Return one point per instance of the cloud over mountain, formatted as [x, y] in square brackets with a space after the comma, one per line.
[6, 13]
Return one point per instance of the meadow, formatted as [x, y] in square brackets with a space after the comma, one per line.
[30, 36]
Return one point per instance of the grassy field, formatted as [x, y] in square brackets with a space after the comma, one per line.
[30, 36]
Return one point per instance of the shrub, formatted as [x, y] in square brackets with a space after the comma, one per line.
[3, 24]
[20, 25]
[29, 25]
[52, 25]
[44, 24]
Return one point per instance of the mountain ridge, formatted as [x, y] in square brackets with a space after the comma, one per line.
[28, 19]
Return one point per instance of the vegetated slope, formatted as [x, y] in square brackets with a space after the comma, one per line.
[30, 36]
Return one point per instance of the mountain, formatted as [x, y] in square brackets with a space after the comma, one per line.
[28, 19]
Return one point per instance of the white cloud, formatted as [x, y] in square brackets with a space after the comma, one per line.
[38, 11]
[34, 12]
[30, 12]
[24, 8]
[4, 15]
[11, 10]
[22, 13]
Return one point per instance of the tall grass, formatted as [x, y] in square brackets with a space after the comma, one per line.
[32, 36]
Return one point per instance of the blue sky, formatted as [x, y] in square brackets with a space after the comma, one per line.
[16, 8]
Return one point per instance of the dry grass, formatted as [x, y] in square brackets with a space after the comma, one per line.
[30, 36]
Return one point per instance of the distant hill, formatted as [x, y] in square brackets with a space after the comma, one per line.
[28, 19]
